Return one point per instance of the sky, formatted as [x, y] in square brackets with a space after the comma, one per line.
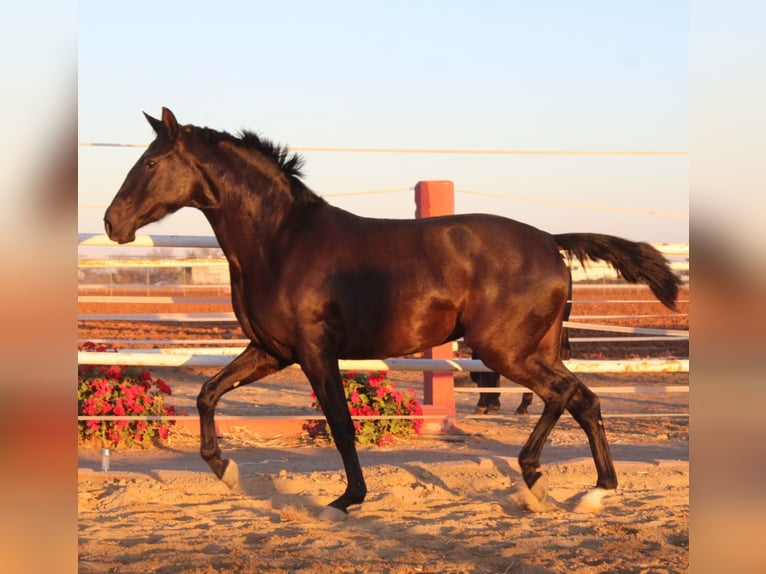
[484, 75]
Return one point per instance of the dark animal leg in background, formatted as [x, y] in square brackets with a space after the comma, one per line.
[487, 401]
[526, 400]
[253, 364]
[325, 379]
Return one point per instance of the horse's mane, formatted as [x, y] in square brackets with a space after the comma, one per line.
[289, 163]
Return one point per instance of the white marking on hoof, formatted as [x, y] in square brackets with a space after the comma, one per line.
[534, 500]
[590, 503]
[231, 475]
[540, 488]
[332, 514]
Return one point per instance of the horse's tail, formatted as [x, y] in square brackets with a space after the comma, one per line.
[635, 262]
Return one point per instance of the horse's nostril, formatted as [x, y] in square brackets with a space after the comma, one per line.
[108, 227]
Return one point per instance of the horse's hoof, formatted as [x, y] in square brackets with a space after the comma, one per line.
[540, 488]
[590, 503]
[332, 514]
[534, 499]
[231, 475]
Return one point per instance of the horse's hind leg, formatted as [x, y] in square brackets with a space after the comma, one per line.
[545, 374]
[561, 389]
[585, 407]
[555, 389]
[253, 364]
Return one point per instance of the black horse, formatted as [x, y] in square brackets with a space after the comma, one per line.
[311, 284]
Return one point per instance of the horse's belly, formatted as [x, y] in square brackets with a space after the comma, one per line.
[401, 337]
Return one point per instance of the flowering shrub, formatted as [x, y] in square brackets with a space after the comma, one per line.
[119, 391]
[373, 394]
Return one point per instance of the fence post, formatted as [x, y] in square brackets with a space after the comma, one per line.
[434, 198]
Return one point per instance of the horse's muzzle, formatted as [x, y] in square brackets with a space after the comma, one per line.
[118, 235]
[108, 228]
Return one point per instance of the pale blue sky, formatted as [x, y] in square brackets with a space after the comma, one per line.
[488, 75]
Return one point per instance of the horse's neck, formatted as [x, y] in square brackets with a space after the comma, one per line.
[243, 214]
[247, 230]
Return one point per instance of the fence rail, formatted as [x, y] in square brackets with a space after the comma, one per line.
[182, 357]
[221, 355]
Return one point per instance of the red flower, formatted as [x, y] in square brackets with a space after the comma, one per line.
[115, 372]
[90, 407]
[110, 389]
[119, 409]
[102, 387]
[163, 387]
[386, 439]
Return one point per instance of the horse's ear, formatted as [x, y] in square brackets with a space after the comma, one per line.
[170, 123]
[155, 123]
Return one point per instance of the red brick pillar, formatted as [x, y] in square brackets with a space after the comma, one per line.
[434, 198]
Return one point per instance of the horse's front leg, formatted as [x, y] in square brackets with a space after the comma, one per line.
[326, 382]
[254, 363]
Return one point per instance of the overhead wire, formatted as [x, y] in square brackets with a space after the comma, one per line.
[510, 197]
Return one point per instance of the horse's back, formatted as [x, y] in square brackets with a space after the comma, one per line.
[459, 236]
[462, 251]
[397, 286]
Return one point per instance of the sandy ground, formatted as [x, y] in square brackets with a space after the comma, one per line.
[436, 503]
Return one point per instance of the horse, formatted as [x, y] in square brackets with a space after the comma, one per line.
[312, 284]
[490, 402]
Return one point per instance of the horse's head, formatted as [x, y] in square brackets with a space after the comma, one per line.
[161, 182]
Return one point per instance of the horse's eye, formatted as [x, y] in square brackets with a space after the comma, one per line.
[150, 163]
